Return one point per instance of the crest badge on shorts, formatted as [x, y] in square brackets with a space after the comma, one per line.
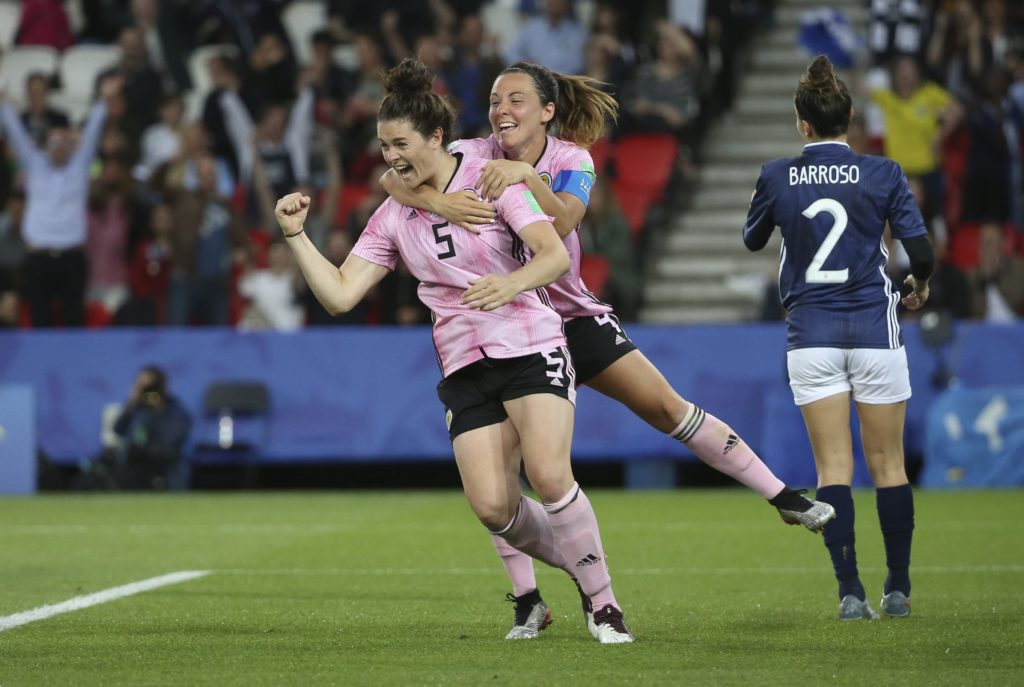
[448, 419]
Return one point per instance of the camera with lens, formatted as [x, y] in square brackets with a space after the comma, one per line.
[152, 394]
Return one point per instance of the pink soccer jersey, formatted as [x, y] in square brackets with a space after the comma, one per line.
[446, 259]
[569, 295]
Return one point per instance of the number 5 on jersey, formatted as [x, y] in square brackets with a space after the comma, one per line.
[814, 273]
[445, 239]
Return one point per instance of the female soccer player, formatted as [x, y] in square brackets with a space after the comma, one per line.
[832, 206]
[526, 101]
[508, 379]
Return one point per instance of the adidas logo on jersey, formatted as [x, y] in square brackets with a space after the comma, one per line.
[589, 559]
[412, 214]
[619, 340]
[730, 443]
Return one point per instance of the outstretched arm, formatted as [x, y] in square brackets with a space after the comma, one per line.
[297, 135]
[240, 130]
[22, 143]
[338, 289]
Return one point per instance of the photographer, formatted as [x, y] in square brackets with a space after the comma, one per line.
[153, 427]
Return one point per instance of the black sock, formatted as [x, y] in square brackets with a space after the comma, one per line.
[789, 499]
[839, 539]
[896, 516]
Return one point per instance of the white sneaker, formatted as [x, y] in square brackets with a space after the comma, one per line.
[852, 608]
[813, 515]
[608, 627]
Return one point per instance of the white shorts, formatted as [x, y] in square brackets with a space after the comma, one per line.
[875, 375]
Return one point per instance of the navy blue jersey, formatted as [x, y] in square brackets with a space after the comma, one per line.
[832, 206]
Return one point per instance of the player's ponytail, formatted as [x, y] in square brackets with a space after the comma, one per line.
[581, 107]
[823, 100]
[409, 95]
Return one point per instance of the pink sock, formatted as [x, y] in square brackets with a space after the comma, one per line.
[530, 532]
[518, 565]
[716, 444]
[578, 538]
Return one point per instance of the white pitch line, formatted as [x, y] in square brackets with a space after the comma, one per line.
[8, 622]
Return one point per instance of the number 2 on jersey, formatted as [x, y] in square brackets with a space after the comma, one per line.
[446, 239]
[814, 274]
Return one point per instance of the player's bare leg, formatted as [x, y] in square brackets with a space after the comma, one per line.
[488, 461]
[544, 423]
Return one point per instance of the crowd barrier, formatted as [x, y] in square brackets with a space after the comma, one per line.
[368, 394]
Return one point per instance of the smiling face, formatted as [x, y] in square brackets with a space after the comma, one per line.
[415, 158]
[517, 117]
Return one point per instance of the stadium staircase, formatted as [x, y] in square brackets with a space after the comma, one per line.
[702, 272]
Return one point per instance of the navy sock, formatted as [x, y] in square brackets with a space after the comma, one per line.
[839, 539]
[896, 516]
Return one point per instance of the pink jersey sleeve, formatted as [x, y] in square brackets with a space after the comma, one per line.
[377, 244]
[574, 158]
[473, 147]
[519, 208]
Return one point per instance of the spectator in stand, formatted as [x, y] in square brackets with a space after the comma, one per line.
[986, 187]
[958, 51]
[207, 230]
[103, 20]
[325, 180]
[39, 116]
[239, 23]
[163, 27]
[554, 40]
[616, 32]
[161, 142]
[357, 119]
[12, 246]
[329, 81]
[112, 221]
[407, 18]
[918, 116]
[149, 272]
[225, 75]
[469, 75]
[182, 171]
[56, 187]
[270, 77]
[997, 283]
[604, 65]
[280, 139]
[143, 85]
[274, 293]
[999, 33]
[664, 95]
[44, 22]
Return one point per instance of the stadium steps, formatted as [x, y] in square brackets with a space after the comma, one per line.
[702, 271]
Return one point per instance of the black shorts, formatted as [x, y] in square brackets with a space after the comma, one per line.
[474, 396]
[595, 343]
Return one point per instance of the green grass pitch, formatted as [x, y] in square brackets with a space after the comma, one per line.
[404, 589]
